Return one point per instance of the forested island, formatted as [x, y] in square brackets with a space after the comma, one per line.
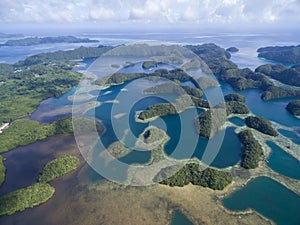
[294, 107]
[261, 124]
[26, 83]
[252, 150]
[284, 54]
[47, 40]
[39, 192]
[191, 173]
[58, 167]
[290, 76]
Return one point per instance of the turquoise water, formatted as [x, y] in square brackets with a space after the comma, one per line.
[184, 142]
[179, 219]
[269, 198]
[291, 135]
[237, 121]
[282, 162]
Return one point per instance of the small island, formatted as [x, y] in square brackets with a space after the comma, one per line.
[274, 92]
[290, 76]
[24, 198]
[252, 151]
[47, 40]
[232, 49]
[284, 54]
[235, 97]
[261, 124]
[191, 173]
[294, 107]
[58, 167]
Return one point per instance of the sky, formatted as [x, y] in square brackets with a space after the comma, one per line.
[236, 14]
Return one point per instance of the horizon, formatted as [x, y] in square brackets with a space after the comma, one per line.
[117, 16]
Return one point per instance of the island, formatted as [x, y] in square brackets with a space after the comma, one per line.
[191, 173]
[261, 124]
[252, 150]
[211, 121]
[26, 83]
[3, 35]
[290, 76]
[174, 88]
[232, 49]
[235, 97]
[274, 92]
[47, 40]
[41, 191]
[58, 167]
[24, 198]
[294, 107]
[283, 54]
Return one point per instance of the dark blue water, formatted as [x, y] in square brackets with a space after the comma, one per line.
[179, 219]
[269, 198]
[237, 121]
[282, 162]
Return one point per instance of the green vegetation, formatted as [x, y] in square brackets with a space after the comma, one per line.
[290, 76]
[59, 57]
[284, 54]
[294, 107]
[206, 82]
[162, 109]
[215, 57]
[119, 78]
[261, 124]
[274, 92]
[190, 173]
[46, 40]
[234, 107]
[26, 83]
[210, 121]
[174, 88]
[24, 131]
[21, 93]
[235, 97]
[2, 170]
[118, 150]
[6, 71]
[58, 167]
[242, 79]
[25, 198]
[232, 49]
[252, 152]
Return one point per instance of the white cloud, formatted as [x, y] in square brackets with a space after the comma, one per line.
[212, 12]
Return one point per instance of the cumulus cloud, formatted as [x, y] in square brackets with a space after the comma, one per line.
[155, 11]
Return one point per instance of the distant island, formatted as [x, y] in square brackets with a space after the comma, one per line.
[294, 107]
[283, 54]
[3, 35]
[47, 40]
[232, 49]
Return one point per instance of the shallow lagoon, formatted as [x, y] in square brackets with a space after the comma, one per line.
[282, 162]
[268, 197]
